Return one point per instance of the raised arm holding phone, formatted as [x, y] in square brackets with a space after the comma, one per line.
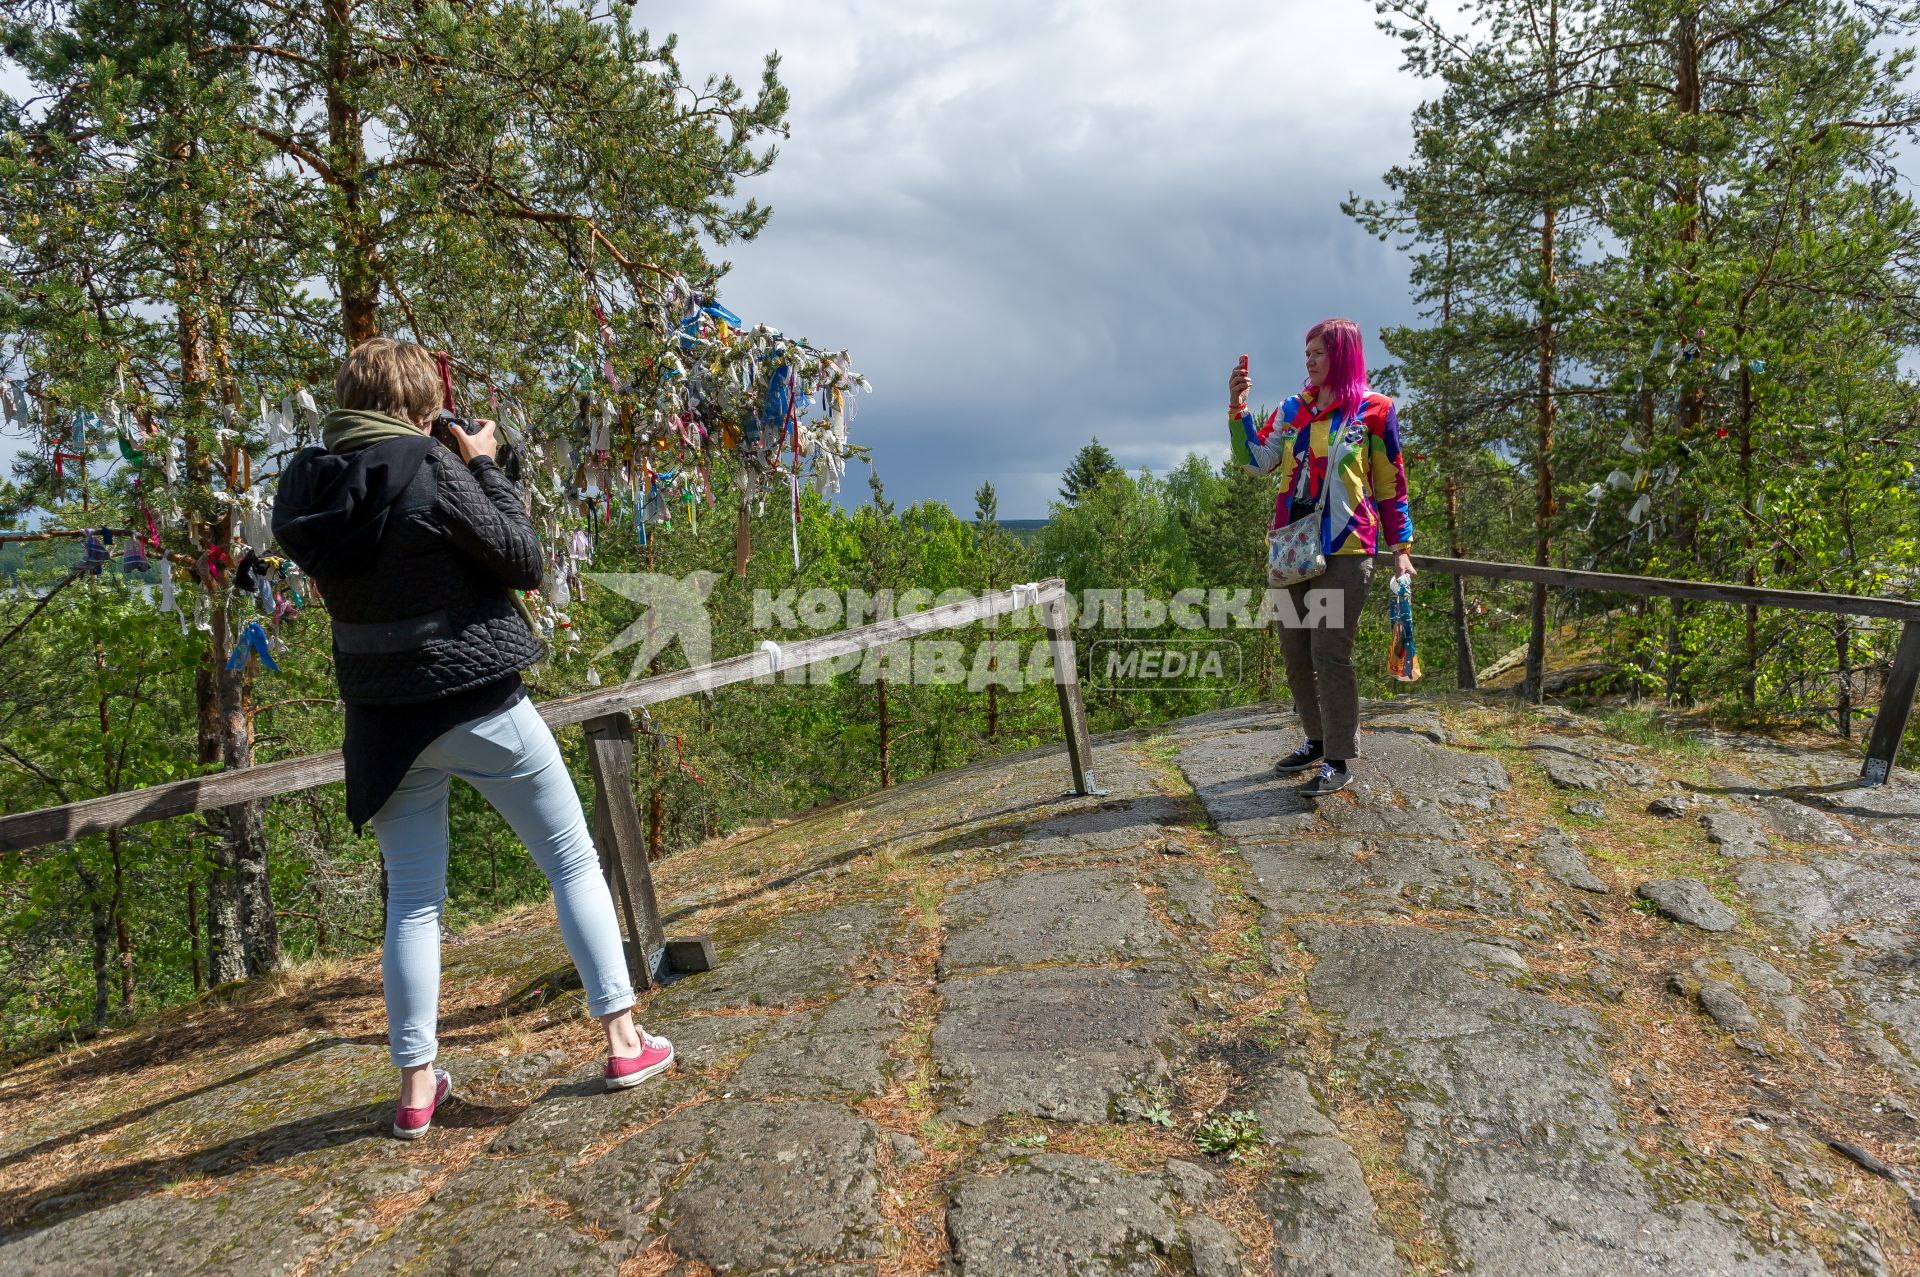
[1336, 446]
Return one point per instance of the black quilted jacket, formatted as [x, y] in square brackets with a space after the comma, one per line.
[414, 553]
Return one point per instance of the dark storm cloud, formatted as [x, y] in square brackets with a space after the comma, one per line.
[1033, 223]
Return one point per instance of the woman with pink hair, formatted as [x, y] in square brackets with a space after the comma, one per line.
[1337, 439]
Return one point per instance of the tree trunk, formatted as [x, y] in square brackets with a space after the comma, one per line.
[245, 936]
[656, 765]
[193, 933]
[886, 735]
[1266, 659]
[993, 711]
[1535, 682]
[117, 901]
[1843, 649]
[320, 913]
[123, 937]
[102, 929]
[356, 281]
[1675, 611]
[656, 799]
[1749, 685]
[1465, 676]
[102, 985]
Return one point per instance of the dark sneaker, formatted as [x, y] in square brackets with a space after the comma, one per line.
[1331, 777]
[1299, 760]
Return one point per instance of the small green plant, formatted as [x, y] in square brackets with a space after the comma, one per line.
[1033, 1139]
[926, 899]
[1647, 907]
[1235, 1134]
[1644, 728]
[1159, 1115]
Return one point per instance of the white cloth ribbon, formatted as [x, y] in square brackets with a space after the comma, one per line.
[774, 654]
[1026, 595]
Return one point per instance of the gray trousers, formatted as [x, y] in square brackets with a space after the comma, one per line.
[1319, 659]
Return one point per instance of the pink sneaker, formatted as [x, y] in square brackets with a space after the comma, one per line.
[623, 1071]
[411, 1124]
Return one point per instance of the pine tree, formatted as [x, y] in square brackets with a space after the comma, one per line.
[147, 252]
[986, 506]
[1667, 212]
[542, 170]
[1090, 465]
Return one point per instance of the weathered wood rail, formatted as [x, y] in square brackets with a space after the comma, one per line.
[1896, 703]
[605, 714]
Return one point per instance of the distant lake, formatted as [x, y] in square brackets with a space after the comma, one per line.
[1024, 529]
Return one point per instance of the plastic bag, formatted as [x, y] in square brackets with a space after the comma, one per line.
[1403, 658]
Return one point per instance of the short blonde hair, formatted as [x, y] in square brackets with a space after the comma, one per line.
[394, 377]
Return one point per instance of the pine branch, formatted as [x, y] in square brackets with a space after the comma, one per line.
[267, 50]
[290, 146]
[73, 575]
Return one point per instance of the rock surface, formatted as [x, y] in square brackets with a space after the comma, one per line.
[1076, 915]
[1063, 1044]
[1053, 1216]
[1323, 1214]
[1687, 900]
[975, 1027]
[1565, 863]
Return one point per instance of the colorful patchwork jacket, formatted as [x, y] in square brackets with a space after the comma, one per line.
[1366, 508]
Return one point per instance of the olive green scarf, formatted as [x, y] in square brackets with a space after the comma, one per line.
[350, 429]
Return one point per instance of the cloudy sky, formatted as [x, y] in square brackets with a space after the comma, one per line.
[1037, 221]
[1033, 222]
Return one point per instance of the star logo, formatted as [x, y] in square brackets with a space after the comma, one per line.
[672, 607]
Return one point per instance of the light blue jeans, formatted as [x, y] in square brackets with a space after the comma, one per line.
[511, 758]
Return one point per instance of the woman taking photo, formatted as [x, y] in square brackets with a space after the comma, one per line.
[417, 551]
[1362, 499]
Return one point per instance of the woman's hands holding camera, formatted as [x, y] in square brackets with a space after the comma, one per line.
[481, 443]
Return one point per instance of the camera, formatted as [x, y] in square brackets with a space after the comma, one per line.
[505, 455]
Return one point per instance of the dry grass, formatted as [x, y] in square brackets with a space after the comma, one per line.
[913, 1194]
[1691, 1093]
[658, 1259]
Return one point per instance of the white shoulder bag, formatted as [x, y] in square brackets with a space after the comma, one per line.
[1296, 553]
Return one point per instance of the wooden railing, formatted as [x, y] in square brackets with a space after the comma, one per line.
[605, 714]
[1896, 701]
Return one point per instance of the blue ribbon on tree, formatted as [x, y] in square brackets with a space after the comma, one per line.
[253, 642]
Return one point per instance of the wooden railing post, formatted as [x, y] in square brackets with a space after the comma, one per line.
[622, 842]
[1066, 681]
[1896, 705]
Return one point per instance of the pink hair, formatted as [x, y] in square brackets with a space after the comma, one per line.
[1346, 361]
